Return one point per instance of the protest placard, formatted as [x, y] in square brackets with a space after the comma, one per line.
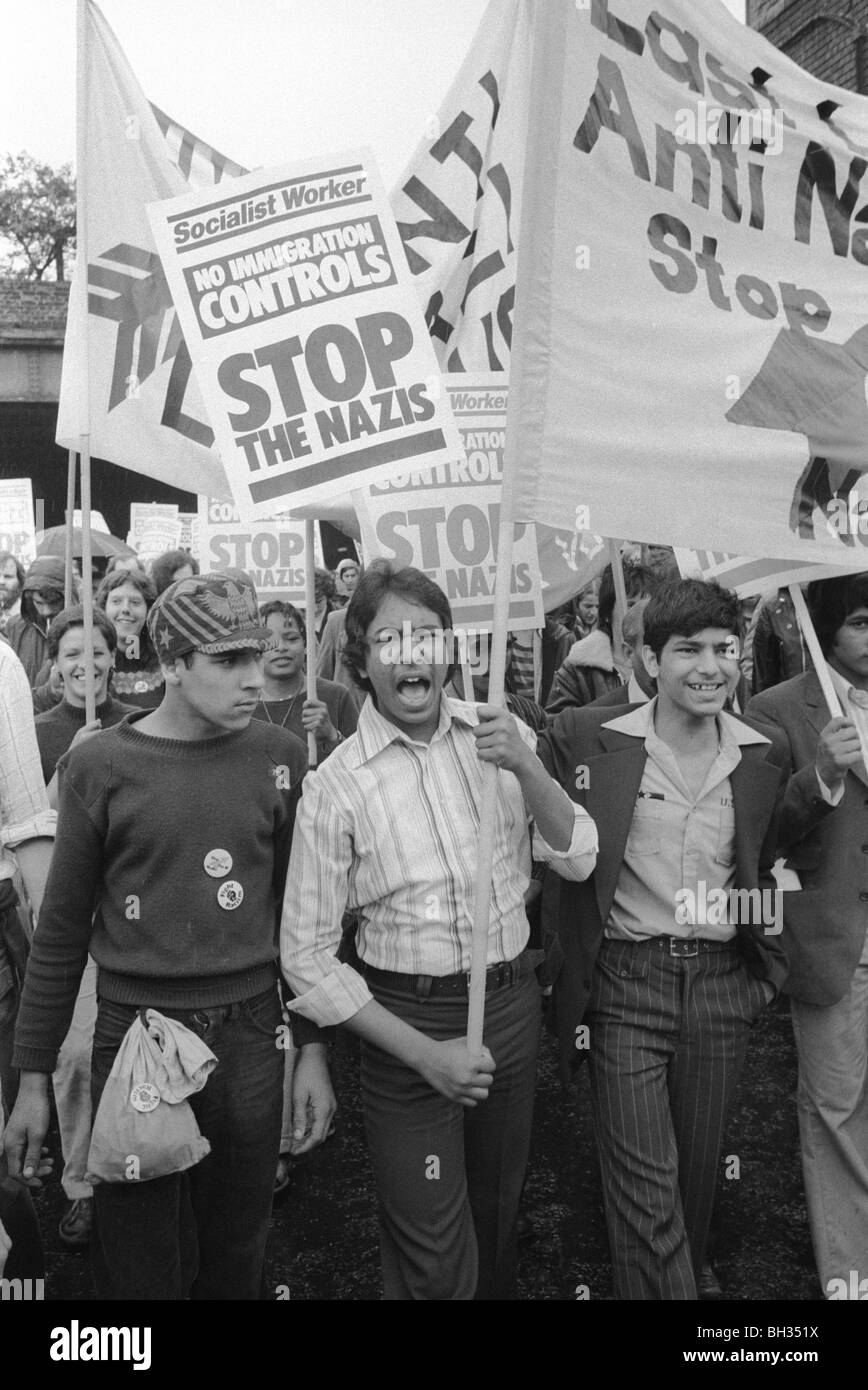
[445, 519]
[155, 527]
[17, 528]
[305, 330]
[270, 551]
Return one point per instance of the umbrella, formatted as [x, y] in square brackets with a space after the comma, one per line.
[53, 542]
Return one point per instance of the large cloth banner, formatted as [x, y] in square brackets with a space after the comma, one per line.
[445, 520]
[749, 577]
[305, 331]
[691, 332]
[127, 376]
[271, 552]
[458, 208]
[458, 203]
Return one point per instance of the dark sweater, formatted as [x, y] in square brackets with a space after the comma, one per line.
[337, 700]
[138, 817]
[57, 727]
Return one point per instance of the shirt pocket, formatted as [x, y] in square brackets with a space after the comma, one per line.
[725, 851]
[647, 828]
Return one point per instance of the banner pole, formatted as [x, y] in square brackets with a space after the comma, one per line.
[488, 798]
[830, 694]
[81, 245]
[310, 629]
[467, 682]
[620, 601]
[68, 586]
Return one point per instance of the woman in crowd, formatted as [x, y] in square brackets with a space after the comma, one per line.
[126, 599]
[172, 565]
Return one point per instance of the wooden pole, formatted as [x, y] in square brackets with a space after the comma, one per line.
[84, 384]
[620, 601]
[830, 694]
[310, 629]
[488, 798]
[68, 585]
[467, 682]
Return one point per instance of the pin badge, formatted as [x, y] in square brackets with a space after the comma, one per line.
[217, 863]
[230, 895]
[144, 1097]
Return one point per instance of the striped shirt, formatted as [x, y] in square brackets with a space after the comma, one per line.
[24, 810]
[390, 826]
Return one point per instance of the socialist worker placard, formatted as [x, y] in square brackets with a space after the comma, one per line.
[306, 333]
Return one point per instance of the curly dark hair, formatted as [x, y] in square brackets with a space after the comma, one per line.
[683, 607]
[163, 569]
[289, 610]
[379, 580]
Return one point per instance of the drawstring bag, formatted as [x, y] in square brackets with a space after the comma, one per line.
[145, 1126]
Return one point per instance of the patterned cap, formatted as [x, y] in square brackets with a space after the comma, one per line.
[208, 613]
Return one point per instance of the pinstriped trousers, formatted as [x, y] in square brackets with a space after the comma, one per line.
[668, 1038]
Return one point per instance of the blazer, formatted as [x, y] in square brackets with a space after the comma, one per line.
[615, 762]
[826, 845]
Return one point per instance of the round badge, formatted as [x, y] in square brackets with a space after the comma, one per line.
[141, 687]
[144, 1097]
[217, 863]
[230, 895]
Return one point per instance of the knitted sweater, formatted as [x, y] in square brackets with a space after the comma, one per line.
[57, 727]
[136, 882]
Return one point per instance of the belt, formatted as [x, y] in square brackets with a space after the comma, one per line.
[500, 976]
[677, 945]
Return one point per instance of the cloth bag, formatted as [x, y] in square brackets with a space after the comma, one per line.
[145, 1126]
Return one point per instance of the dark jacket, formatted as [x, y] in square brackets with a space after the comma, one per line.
[28, 635]
[587, 673]
[615, 762]
[826, 845]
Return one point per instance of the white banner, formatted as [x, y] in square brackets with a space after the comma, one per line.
[691, 345]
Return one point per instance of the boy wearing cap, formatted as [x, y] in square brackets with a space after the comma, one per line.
[176, 827]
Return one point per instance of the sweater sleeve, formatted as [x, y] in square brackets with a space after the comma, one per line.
[60, 943]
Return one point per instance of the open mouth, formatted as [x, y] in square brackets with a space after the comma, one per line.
[706, 687]
[413, 691]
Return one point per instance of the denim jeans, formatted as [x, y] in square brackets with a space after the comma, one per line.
[199, 1234]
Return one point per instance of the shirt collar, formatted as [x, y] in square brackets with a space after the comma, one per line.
[846, 691]
[374, 732]
[635, 694]
[639, 723]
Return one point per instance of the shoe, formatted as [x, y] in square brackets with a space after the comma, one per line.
[76, 1222]
[708, 1286]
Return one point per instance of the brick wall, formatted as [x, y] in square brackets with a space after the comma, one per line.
[30, 304]
[800, 28]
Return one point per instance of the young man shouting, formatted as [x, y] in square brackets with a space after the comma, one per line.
[389, 826]
[175, 826]
[664, 968]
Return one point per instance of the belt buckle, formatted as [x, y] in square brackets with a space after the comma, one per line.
[680, 946]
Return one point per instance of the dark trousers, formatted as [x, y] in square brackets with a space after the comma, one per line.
[449, 1177]
[668, 1038]
[199, 1234]
[13, 954]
